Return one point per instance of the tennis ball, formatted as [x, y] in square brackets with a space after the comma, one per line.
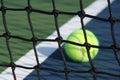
[79, 53]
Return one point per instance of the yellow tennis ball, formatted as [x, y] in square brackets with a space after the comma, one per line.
[79, 53]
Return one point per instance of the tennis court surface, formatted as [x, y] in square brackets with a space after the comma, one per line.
[105, 66]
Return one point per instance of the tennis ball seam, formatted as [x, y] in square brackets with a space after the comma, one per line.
[79, 47]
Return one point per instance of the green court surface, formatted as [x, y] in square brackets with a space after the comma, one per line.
[44, 25]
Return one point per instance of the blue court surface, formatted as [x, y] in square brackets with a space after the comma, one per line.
[104, 61]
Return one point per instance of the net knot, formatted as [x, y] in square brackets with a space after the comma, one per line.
[6, 35]
[81, 14]
[55, 12]
[59, 39]
[93, 71]
[37, 67]
[3, 9]
[115, 47]
[112, 19]
[28, 9]
[13, 65]
[87, 45]
[34, 40]
[66, 70]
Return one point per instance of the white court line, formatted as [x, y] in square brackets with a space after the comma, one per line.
[45, 49]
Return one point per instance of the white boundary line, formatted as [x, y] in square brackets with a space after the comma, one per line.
[45, 49]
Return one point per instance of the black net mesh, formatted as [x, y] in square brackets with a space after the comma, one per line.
[34, 39]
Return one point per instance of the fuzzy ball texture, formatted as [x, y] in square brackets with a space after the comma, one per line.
[79, 53]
